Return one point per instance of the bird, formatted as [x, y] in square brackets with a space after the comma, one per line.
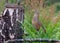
[35, 21]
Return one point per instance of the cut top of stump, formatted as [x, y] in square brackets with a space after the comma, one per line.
[12, 6]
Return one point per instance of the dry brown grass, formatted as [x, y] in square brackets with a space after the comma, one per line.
[34, 4]
[51, 11]
[55, 19]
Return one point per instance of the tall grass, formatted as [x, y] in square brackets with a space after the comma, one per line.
[49, 18]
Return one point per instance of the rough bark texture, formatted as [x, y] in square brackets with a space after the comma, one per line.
[12, 23]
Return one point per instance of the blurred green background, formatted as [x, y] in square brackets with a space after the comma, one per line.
[49, 16]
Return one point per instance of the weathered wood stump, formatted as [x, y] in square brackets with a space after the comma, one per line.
[1, 35]
[11, 22]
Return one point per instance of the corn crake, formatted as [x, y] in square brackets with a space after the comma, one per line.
[35, 21]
